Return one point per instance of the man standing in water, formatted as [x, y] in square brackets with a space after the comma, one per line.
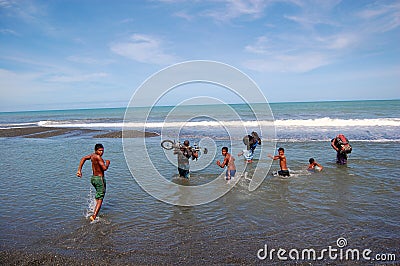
[184, 153]
[342, 147]
[251, 142]
[97, 180]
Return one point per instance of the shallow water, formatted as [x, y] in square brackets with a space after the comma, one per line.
[44, 204]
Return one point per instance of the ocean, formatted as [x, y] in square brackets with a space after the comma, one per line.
[336, 212]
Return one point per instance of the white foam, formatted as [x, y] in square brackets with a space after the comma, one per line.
[18, 125]
[286, 123]
[91, 204]
[325, 140]
[333, 122]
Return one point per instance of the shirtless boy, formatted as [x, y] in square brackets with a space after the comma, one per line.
[97, 180]
[314, 166]
[282, 162]
[229, 161]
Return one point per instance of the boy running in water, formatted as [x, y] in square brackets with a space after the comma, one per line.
[97, 180]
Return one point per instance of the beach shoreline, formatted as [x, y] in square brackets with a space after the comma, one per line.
[48, 132]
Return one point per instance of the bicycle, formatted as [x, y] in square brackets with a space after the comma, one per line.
[171, 144]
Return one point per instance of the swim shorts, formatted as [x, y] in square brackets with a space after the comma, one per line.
[341, 158]
[283, 173]
[99, 184]
[184, 173]
[232, 172]
[248, 155]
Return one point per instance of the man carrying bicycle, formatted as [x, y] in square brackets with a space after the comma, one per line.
[184, 153]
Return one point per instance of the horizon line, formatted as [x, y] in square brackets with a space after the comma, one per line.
[121, 107]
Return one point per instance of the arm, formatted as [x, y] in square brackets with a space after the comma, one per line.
[276, 157]
[320, 166]
[222, 165]
[333, 145]
[254, 146]
[81, 163]
[195, 155]
[103, 166]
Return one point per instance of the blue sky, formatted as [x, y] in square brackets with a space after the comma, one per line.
[86, 54]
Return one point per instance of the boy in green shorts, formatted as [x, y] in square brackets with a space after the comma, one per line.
[97, 180]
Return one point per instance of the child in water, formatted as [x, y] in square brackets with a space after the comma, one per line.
[282, 162]
[314, 166]
[228, 161]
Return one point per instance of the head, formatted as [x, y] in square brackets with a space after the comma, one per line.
[311, 161]
[224, 151]
[256, 137]
[99, 149]
[281, 151]
[186, 143]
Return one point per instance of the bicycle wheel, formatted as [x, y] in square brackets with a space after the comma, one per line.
[167, 144]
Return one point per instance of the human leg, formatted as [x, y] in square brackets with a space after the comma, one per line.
[99, 202]
[99, 183]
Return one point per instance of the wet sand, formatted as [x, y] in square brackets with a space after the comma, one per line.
[48, 132]
[127, 134]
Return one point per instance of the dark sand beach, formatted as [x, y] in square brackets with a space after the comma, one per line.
[47, 132]
[127, 134]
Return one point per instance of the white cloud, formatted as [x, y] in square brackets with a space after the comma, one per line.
[78, 78]
[300, 63]
[145, 49]
[261, 46]
[339, 41]
[9, 31]
[298, 52]
[312, 13]
[318, 41]
[379, 10]
[27, 11]
[184, 15]
[381, 18]
[237, 8]
[126, 20]
[6, 3]
[89, 60]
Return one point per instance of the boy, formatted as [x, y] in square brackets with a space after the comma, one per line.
[282, 162]
[229, 161]
[97, 180]
[314, 165]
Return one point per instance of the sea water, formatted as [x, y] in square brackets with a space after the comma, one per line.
[44, 206]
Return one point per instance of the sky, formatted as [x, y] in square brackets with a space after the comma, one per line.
[69, 54]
